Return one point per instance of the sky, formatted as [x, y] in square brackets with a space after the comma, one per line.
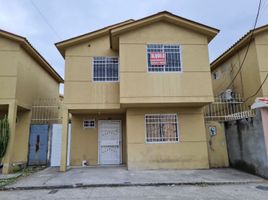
[45, 22]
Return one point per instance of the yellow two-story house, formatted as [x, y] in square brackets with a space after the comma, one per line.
[135, 92]
[243, 68]
[24, 77]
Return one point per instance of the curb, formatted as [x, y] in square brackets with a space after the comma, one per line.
[50, 187]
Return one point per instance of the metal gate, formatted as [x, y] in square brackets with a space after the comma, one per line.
[109, 142]
[38, 144]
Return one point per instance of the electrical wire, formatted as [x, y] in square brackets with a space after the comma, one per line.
[253, 95]
[45, 19]
[251, 37]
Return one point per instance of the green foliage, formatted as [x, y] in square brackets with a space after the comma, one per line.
[4, 136]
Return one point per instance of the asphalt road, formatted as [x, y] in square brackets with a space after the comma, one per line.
[224, 192]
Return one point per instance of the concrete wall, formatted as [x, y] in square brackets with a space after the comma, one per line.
[189, 153]
[9, 53]
[217, 147]
[20, 152]
[84, 142]
[139, 86]
[80, 91]
[33, 81]
[246, 146]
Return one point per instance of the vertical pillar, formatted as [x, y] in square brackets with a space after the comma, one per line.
[64, 139]
[12, 115]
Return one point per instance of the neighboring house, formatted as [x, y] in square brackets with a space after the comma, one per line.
[253, 71]
[136, 91]
[246, 136]
[24, 76]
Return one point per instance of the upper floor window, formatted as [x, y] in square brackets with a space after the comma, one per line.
[164, 57]
[216, 75]
[105, 69]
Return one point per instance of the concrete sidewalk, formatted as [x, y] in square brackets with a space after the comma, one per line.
[119, 176]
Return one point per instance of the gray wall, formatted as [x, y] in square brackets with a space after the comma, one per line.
[246, 146]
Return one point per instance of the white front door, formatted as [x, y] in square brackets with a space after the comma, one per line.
[109, 142]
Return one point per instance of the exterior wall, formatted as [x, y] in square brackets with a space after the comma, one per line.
[139, 86]
[20, 152]
[248, 80]
[80, 91]
[262, 52]
[84, 142]
[246, 145]
[189, 153]
[217, 148]
[33, 81]
[9, 52]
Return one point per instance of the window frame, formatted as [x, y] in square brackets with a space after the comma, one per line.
[162, 142]
[165, 72]
[105, 81]
[85, 127]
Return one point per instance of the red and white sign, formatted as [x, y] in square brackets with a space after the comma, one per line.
[157, 58]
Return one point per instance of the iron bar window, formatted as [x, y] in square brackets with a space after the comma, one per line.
[105, 69]
[172, 55]
[161, 128]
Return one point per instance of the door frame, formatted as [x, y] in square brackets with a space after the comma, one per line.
[120, 140]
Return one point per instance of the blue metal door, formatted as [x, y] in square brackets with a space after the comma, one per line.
[38, 144]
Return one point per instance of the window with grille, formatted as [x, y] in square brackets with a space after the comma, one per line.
[105, 69]
[89, 123]
[164, 57]
[161, 128]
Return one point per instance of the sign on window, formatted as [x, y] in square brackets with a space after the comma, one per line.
[157, 58]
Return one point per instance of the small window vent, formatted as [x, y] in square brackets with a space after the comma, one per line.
[89, 123]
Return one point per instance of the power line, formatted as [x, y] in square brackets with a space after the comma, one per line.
[45, 19]
[253, 95]
[251, 37]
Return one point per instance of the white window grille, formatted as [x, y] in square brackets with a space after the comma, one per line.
[161, 128]
[172, 54]
[105, 69]
[89, 123]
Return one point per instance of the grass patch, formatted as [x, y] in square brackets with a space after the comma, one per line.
[23, 173]
[5, 182]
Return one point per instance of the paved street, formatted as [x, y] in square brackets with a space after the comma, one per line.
[224, 192]
[51, 177]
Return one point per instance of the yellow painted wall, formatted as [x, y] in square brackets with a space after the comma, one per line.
[20, 152]
[217, 148]
[190, 152]
[33, 81]
[9, 52]
[137, 85]
[80, 90]
[22, 79]
[262, 52]
[247, 81]
[84, 142]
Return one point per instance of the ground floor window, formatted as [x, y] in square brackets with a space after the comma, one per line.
[161, 128]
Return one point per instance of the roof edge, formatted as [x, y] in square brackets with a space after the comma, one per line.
[213, 31]
[238, 45]
[33, 53]
[62, 45]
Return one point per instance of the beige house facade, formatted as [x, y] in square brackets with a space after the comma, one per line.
[253, 72]
[135, 92]
[24, 76]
